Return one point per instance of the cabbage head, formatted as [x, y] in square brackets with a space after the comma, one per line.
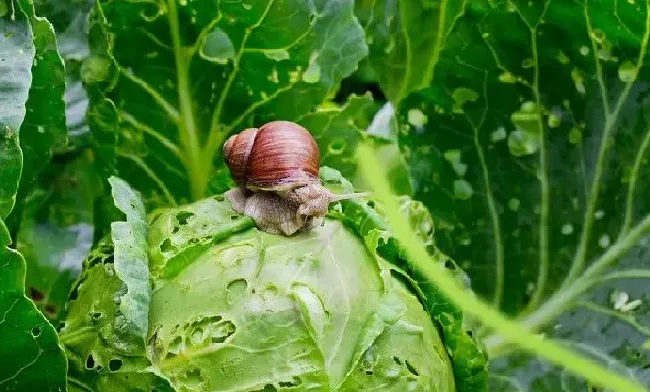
[195, 298]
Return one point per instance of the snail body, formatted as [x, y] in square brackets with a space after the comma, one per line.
[276, 169]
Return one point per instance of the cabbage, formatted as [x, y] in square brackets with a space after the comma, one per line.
[233, 308]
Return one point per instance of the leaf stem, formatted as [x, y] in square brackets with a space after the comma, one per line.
[470, 304]
[198, 173]
[566, 297]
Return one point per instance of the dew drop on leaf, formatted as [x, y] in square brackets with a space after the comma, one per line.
[312, 74]
[498, 135]
[604, 241]
[527, 63]
[553, 120]
[599, 214]
[461, 96]
[417, 118]
[507, 77]
[575, 135]
[525, 139]
[627, 72]
[567, 229]
[453, 157]
[463, 190]
[578, 80]
[584, 50]
[513, 204]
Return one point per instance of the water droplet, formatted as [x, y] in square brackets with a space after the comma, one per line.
[463, 190]
[567, 229]
[217, 47]
[525, 139]
[527, 63]
[453, 157]
[461, 96]
[312, 74]
[417, 118]
[554, 120]
[40, 129]
[599, 214]
[604, 241]
[182, 2]
[578, 80]
[247, 7]
[627, 72]
[514, 204]
[498, 135]
[273, 77]
[277, 54]
[507, 77]
[575, 135]
[562, 58]
[584, 50]
[619, 299]
[294, 76]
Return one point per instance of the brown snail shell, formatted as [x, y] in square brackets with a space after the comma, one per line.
[280, 155]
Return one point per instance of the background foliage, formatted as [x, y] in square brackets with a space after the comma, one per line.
[521, 126]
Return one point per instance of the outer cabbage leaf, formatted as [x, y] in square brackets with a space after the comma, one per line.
[107, 319]
[530, 149]
[175, 78]
[469, 359]
[56, 232]
[32, 357]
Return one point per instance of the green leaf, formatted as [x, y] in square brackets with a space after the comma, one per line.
[56, 233]
[188, 74]
[530, 149]
[32, 357]
[338, 130]
[468, 358]
[44, 126]
[405, 38]
[103, 354]
[16, 55]
[70, 18]
[131, 257]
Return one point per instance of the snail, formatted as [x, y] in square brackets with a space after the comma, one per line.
[276, 170]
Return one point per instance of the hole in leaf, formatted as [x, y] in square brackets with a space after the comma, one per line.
[411, 369]
[50, 309]
[223, 331]
[114, 364]
[35, 294]
[95, 316]
[470, 334]
[175, 229]
[371, 203]
[109, 260]
[236, 288]
[183, 216]
[369, 372]
[294, 382]
[450, 265]
[36, 332]
[234, 217]
[193, 241]
[167, 246]
[219, 198]
[397, 361]
[90, 362]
